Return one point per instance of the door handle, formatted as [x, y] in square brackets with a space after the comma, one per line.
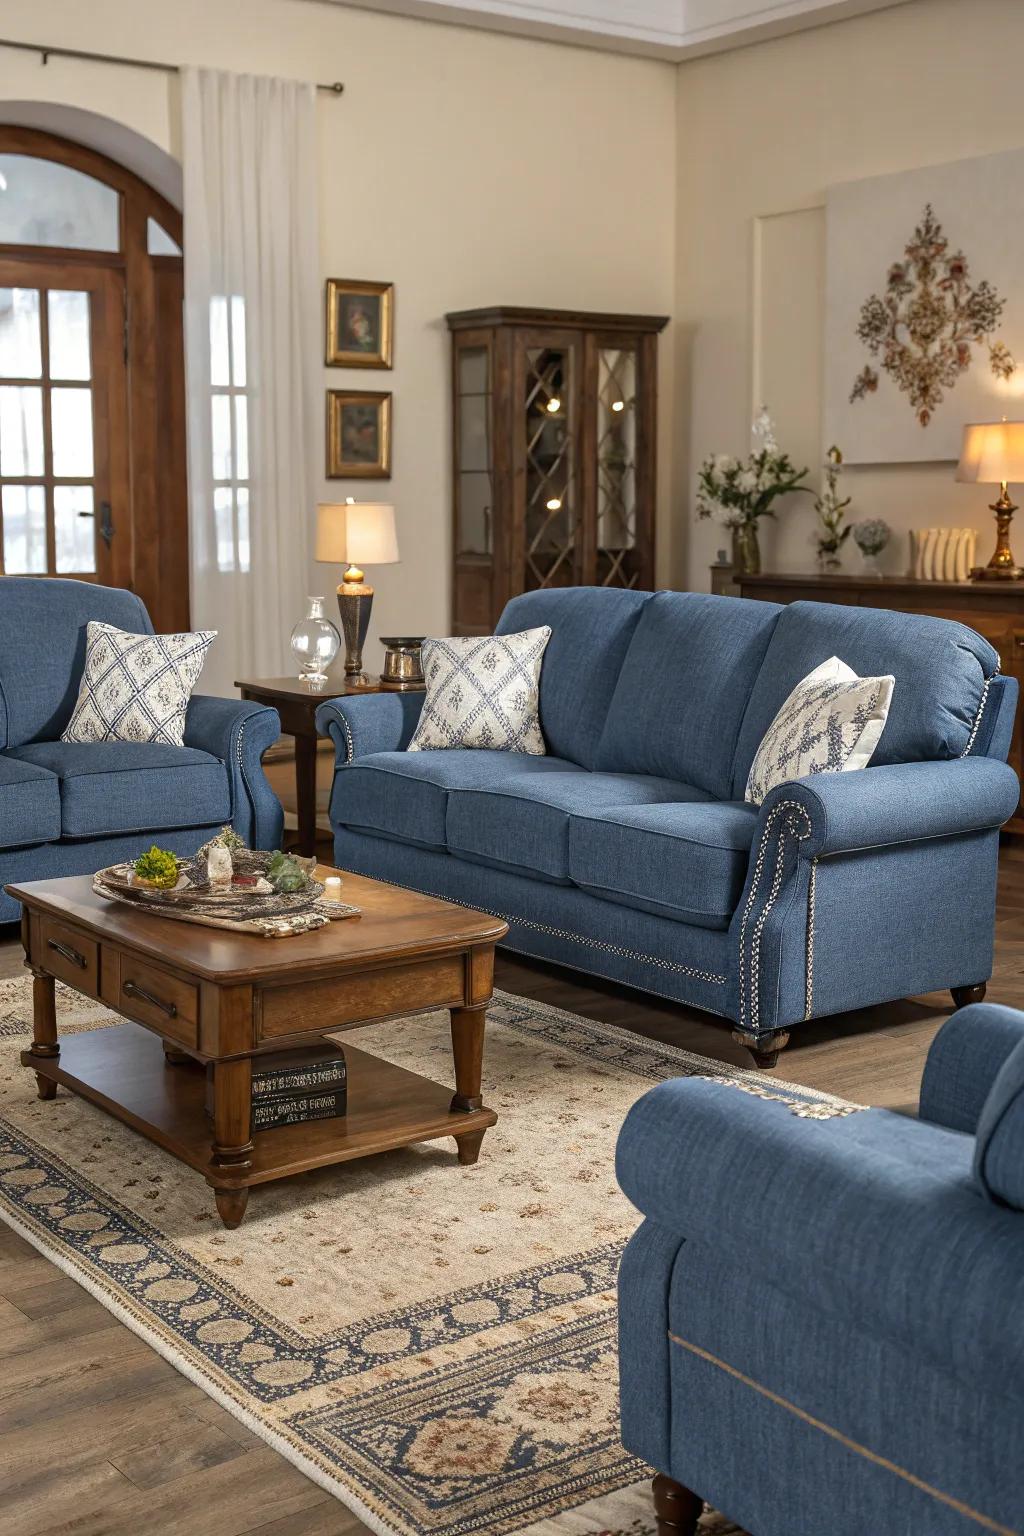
[106, 522]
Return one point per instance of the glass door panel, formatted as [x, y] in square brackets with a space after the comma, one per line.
[55, 462]
[616, 466]
[552, 513]
[474, 490]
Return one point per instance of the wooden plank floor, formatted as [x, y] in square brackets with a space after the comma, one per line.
[101, 1437]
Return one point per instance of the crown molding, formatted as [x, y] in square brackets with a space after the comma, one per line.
[676, 30]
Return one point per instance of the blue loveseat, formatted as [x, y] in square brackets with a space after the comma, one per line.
[822, 1319]
[68, 809]
[629, 852]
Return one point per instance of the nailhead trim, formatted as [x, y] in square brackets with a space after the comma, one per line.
[791, 824]
[977, 719]
[578, 938]
[811, 892]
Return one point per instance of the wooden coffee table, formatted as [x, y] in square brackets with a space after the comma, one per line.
[202, 995]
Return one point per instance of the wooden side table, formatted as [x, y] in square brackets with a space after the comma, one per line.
[297, 701]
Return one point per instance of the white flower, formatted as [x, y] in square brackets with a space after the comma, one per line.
[747, 481]
[725, 517]
[764, 429]
[725, 463]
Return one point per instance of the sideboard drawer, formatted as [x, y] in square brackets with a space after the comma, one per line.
[69, 955]
[155, 997]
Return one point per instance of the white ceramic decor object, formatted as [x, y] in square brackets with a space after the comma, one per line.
[941, 543]
[949, 564]
[928, 554]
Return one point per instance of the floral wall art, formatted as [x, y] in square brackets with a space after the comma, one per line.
[924, 307]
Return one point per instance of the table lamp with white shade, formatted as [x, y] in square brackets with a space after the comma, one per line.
[354, 534]
[993, 454]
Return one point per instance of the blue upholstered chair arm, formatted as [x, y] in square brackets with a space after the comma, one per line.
[377, 722]
[239, 733]
[897, 803]
[964, 1061]
[871, 1217]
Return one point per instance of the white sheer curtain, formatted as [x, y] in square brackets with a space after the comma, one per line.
[252, 362]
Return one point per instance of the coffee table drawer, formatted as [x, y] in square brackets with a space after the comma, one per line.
[154, 997]
[321, 1005]
[70, 956]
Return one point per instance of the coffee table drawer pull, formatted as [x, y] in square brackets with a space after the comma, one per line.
[68, 953]
[131, 989]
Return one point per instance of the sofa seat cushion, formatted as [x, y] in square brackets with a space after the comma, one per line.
[684, 861]
[405, 794]
[115, 786]
[29, 804]
[521, 822]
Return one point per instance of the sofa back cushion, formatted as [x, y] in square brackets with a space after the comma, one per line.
[941, 670]
[591, 628]
[999, 1139]
[684, 686]
[42, 649]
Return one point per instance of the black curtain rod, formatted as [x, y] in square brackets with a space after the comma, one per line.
[46, 53]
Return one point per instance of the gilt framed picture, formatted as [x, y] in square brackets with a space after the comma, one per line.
[358, 434]
[360, 323]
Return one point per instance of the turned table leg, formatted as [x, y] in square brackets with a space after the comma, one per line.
[44, 1028]
[468, 1052]
[231, 1204]
[232, 1138]
[676, 1508]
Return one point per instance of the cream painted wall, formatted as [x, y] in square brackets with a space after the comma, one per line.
[467, 167]
[762, 133]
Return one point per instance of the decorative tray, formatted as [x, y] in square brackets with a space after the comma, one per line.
[239, 906]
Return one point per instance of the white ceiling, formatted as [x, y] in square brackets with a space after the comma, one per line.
[670, 29]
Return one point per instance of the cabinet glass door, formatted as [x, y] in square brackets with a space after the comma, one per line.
[474, 493]
[616, 466]
[552, 514]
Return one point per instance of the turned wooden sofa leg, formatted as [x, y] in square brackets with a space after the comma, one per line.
[677, 1509]
[963, 995]
[766, 1054]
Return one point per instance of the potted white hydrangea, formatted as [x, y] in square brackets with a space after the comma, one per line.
[736, 493]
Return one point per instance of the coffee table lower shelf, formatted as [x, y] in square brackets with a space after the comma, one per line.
[124, 1071]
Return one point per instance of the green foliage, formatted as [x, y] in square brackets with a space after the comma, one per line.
[733, 492]
[157, 866]
[227, 837]
[285, 874]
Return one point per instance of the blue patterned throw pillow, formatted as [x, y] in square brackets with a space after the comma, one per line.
[831, 723]
[136, 687]
[483, 692]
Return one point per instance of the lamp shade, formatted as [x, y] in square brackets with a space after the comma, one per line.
[356, 533]
[992, 452]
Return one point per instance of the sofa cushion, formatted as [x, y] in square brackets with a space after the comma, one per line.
[520, 822]
[999, 1139]
[114, 786]
[591, 628]
[683, 861]
[29, 804]
[940, 669]
[684, 687]
[482, 693]
[42, 649]
[405, 794]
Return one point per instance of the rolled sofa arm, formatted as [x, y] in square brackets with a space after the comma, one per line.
[376, 722]
[239, 732]
[896, 803]
[964, 1061]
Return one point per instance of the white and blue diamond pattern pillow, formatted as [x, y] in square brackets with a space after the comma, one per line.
[830, 723]
[136, 687]
[483, 693]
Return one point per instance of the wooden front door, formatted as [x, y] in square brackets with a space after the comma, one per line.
[64, 478]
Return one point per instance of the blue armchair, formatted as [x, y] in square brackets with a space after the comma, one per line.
[822, 1315]
[629, 851]
[68, 809]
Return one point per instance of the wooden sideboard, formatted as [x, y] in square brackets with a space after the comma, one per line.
[994, 608]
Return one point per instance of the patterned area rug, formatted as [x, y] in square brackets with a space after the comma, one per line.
[433, 1344]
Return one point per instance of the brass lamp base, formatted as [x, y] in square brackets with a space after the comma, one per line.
[1002, 566]
[355, 600]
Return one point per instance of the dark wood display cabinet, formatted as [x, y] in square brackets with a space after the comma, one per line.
[554, 447]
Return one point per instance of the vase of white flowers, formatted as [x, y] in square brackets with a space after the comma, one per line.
[871, 537]
[737, 493]
[831, 533]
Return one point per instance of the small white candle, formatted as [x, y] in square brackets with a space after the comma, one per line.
[332, 888]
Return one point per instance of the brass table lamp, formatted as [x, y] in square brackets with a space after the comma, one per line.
[993, 454]
[354, 533]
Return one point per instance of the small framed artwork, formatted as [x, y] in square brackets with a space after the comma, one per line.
[358, 435]
[360, 322]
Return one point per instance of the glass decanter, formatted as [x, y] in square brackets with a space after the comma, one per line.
[315, 643]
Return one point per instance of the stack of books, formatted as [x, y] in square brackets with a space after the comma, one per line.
[292, 1087]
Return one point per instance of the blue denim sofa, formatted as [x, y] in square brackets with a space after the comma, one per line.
[629, 851]
[68, 809]
[822, 1320]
